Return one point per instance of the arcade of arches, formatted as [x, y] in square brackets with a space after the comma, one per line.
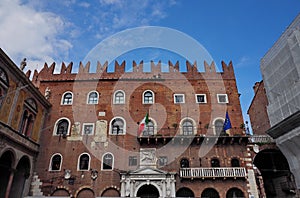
[13, 174]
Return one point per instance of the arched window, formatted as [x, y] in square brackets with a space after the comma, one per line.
[55, 162]
[62, 127]
[117, 126]
[184, 163]
[148, 97]
[119, 97]
[3, 85]
[149, 129]
[67, 98]
[185, 192]
[219, 127]
[235, 192]
[215, 162]
[187, 127]
[28, 117]
[235, 162]
[107, 161]
[84, 162]
[210, 192]
[93, 97]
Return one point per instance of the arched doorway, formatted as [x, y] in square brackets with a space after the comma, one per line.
[6, 162]
[60, 192]
[234, 193]
[86, 193]
[210, 193]
[148, 191]
[185, 192]
[274, 169]
[110, 192]
[21, 175]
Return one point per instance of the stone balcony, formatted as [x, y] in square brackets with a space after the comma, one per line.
[217, 172]
[262, 139]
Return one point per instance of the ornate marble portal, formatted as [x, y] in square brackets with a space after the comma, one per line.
[148, 174]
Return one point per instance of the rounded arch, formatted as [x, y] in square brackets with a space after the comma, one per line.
[148, 97]
[117, 126]
[55, 164]
[85, 192]
[271, 159]
[111, 191]
[84, 161]
[7, 163]
[210, 192]
[67, 98]
[61, 191]
[57, 123]
[119, 97]
[21, 174]
[92, 97]
[107, 161]
[150, 128]
[184, 163]
[143, 188]
[215, 162]
[272, 165]
[183, 124]
[235, 192]
[218, 125]
[185, 192]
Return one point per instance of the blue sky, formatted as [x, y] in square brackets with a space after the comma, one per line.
[61, 30]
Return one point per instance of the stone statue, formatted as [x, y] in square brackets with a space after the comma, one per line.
[23, 64]
[47, 93]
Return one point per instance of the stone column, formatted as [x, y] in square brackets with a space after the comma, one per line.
[10, 180]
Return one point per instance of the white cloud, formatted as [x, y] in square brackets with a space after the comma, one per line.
[244, 61]
[33, 34]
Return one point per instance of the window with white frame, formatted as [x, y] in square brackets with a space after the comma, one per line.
[222, 98]
[162, 161]
[55, 162]
[67, 98]
[84, 162]
[218, 125]
[132, 160]
[119, 97]
[149, 129]
[179, 98]
[107, 161]
[187, 127]
[148, 97]
[93, 97]
[200, 98]
[87, 128]
[62, 127]
[117, 126]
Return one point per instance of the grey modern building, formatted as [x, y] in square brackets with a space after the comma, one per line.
[280, 69]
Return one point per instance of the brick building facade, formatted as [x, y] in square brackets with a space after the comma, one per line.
[92, 146]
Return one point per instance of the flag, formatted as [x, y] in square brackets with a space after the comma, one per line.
[143, 123]
[227, 124]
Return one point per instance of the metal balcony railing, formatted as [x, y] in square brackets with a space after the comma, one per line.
[230, 172]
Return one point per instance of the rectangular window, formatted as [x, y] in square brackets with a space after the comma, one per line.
[88, 129]
[132, 160]
[200, 98]
[222, 98]
[162, 161]
[178, 98]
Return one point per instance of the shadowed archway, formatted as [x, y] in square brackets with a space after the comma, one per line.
[148, 191]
